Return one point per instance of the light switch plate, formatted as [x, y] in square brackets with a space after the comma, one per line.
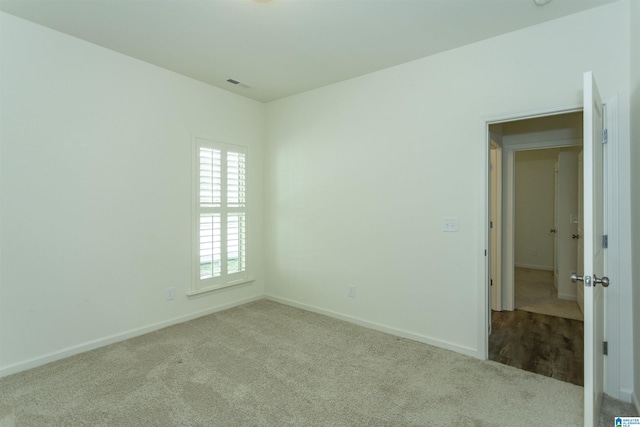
[449, 224]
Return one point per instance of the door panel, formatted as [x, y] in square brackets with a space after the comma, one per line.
[593, 252]
[495, 235]
[580, 260]
[556, 279]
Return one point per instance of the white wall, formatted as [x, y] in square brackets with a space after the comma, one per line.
[534, 208]
[95, 175]
[96, 193]
[635, 187]
[361, 173]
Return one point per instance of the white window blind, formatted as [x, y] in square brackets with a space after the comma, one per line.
[220, 257]
[210, 177]
[235, 179]
[235, 243]
[210, 246]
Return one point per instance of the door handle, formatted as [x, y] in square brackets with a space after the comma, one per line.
[586, 279]
[575, 236]
[604, 281]
[552, 230]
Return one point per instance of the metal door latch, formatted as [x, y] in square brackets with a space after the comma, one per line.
[604, 281]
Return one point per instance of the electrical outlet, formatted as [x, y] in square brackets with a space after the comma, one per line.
[351, 291]
[169, 293]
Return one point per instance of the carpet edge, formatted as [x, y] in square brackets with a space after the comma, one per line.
[467, 351]
[122, 336]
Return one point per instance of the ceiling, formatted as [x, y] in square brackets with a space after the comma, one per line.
[284, 47]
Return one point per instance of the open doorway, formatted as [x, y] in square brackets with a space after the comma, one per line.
[546, 231]
[536, 320]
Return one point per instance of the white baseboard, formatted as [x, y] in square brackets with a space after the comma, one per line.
[378, 327]
[101, 342]
[534, 267]
[623, 395]
[568, 297]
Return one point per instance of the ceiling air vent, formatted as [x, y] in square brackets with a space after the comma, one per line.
[239, 83]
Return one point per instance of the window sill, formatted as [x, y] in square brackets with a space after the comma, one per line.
[219, 287]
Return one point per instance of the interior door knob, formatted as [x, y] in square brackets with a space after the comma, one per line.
[604, 281]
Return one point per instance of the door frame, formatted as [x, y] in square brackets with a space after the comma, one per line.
[612, 257]
[508, 214]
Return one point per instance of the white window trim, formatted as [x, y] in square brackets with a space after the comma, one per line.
[198, 285]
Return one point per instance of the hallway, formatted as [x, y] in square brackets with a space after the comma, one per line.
[534, 292]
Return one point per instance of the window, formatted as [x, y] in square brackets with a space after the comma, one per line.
[220, 226]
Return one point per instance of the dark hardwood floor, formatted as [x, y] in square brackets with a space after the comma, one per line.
[547, 345]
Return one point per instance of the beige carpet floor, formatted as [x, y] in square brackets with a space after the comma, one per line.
[534, 292]
[267, 364]
[612, 408]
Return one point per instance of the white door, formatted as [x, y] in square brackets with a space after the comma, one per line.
[554, 230]
[593, 252]
[495, 235]
[580, 260]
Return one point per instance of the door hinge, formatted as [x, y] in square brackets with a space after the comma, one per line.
[490, 282]
[605, 348]
[485, 252]
[605, 136]
[605, 241]
[490, 224]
